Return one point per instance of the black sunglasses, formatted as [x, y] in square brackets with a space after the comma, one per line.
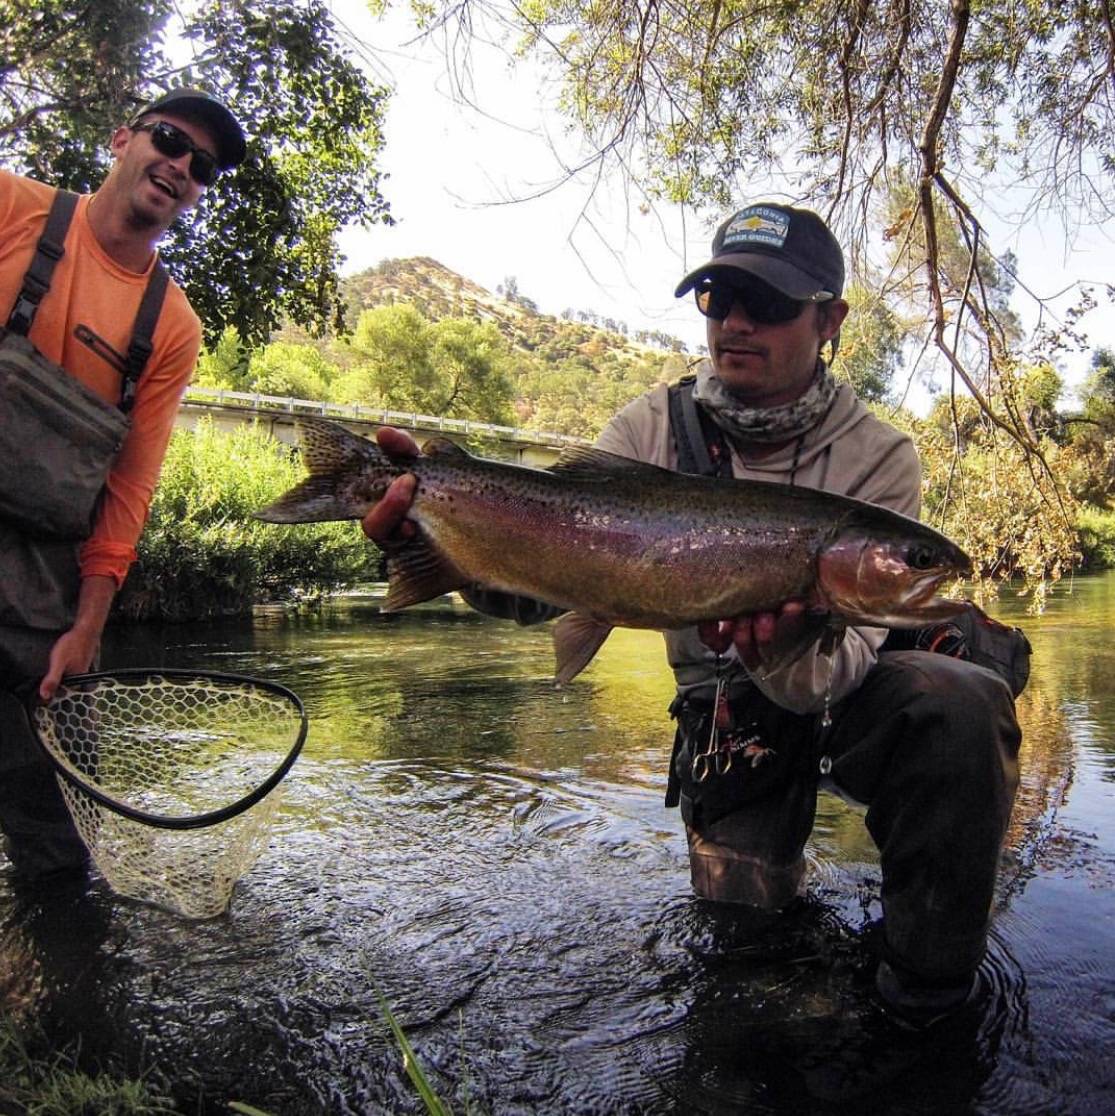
[174, 143]
[765, 305]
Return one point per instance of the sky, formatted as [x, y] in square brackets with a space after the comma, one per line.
[482, 192]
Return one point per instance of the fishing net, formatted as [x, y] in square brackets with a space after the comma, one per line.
[172, 777]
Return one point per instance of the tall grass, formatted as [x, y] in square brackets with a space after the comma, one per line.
[38, 1081]
[202, 554]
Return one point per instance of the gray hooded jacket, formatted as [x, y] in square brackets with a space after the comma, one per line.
[851, 452]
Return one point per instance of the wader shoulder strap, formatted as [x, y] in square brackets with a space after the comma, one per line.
[143, 329]
[701, 445]
[48, 252]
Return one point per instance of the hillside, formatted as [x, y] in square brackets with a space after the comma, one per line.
[567, 374]
[441, 293]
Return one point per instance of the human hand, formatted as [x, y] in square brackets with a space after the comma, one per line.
[72, 653]
[386, 523]
[758, 637]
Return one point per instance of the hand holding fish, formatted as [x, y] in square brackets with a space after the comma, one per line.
[386, 523]
[759, 637]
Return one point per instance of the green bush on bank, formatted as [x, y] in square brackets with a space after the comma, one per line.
[1096, 534]
[202, 554]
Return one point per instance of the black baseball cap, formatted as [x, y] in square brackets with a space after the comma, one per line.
[791, 249]
[199, 105]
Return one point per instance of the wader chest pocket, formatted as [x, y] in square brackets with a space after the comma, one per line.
[60, 440]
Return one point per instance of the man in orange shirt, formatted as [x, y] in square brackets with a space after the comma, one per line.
[55, 595]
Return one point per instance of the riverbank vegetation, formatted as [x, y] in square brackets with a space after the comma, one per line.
[202, 554]
[38, 1077]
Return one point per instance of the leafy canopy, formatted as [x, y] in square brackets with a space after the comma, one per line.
[261, 247]
[851, 103]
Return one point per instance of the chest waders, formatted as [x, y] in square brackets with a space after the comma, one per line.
[58, 441]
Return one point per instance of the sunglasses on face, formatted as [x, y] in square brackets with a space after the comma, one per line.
[174, 143]
[765, 305]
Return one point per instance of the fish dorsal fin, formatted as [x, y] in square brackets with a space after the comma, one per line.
[418, 573]
[328, 447]
[443, 447]
[586, 463]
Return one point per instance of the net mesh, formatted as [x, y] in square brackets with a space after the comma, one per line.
[176, 748]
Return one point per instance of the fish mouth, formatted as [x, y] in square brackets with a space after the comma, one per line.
[919, 604]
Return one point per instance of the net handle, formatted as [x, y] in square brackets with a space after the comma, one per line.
[194, 821]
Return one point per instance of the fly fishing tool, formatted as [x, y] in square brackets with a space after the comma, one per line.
[171, 776]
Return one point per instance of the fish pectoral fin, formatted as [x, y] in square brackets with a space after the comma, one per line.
[418, 573]
[314, 500]
[577, 638]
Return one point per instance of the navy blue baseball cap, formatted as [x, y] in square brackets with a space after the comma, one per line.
[791, 249]
[195, 104]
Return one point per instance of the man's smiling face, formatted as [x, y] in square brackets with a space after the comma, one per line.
[158, 188]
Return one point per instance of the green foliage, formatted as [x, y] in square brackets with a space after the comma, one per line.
[871, 341]
[202, 554]
[434, 1105]
[37, 1078]
[1098, 395]
[1096, 529]
[981, 489]
[289, 369]
[262, 245]
[226, 363]
[400, 360]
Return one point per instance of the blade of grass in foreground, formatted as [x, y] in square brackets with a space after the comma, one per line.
[433, 1103]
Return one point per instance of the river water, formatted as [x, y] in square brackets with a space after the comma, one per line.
[494, 858]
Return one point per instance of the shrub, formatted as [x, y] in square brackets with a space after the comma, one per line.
[1096, 529]
[202, 554]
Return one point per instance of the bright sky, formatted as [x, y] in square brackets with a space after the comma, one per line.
[454, 175]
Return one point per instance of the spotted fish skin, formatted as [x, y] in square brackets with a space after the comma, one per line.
[627, 543]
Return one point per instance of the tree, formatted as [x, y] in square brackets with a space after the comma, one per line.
[846, 101]
[870, 347]
[290, 369]
[262, 246]
[224, 363]
[402, 361]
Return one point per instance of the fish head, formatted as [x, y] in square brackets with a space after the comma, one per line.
[885, 570]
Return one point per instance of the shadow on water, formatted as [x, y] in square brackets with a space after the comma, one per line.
[495, 858]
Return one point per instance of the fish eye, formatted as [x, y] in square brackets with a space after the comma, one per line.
[921, 557]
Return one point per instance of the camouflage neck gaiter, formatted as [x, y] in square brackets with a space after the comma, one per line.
[764, 424]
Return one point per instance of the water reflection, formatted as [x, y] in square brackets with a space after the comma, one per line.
[495, 857]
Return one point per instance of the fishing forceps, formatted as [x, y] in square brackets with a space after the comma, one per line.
[715, 759]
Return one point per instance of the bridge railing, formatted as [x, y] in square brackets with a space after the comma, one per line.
[359, 412]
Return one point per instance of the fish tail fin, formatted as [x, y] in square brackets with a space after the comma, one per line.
[417, 573]
[331, 455]
[314, 500]
[577, 638]
[327, 447]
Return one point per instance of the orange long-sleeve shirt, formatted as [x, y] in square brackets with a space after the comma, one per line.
[89, 288]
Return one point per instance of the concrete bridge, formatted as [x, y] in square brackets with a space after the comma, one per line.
[278, 414]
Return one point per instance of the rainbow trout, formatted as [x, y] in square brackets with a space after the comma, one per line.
[627, 544]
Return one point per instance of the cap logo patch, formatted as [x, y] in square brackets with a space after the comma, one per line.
[758, 224]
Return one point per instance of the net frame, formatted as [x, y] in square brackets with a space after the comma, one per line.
[66, 769]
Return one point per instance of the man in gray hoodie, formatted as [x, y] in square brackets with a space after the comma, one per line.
[928, 743]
